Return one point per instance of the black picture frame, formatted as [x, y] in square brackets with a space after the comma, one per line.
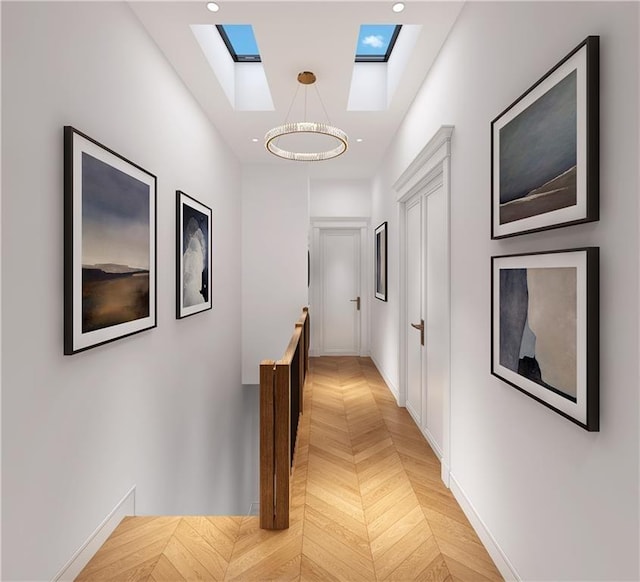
[194, 237]
[545, 150]
[545, 329]
[380, 258]
[110, 240]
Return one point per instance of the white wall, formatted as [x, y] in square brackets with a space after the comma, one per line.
[275, 223]
[340, 198]
[385, 315]
[163, 410]
[561, 503]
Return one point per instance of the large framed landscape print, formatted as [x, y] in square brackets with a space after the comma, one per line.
[193, 256]
[109, 245]
[545, 150]
[544, 339]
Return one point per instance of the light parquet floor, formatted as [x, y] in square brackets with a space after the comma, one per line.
[367, 504]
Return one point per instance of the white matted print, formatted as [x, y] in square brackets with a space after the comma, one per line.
[193, 256]
[545, 329]
[110, 245]
[545, 150]
[381, 262]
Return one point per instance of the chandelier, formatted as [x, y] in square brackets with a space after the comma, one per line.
[302, 128]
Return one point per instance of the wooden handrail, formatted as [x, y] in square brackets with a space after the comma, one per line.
[295, 338]
[292, 347]
[281, 391]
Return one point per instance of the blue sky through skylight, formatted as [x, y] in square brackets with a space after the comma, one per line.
[242, 39]
[374, 39]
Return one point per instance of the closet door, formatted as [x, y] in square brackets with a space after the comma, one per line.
[414, 329]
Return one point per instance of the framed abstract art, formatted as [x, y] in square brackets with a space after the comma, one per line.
[545, 150]
[193, 256]
[109, 245]
[381, 262]
[545, 324]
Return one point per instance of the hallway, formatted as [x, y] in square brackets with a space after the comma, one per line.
[367, 504]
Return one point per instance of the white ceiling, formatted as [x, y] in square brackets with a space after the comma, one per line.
[292, 36]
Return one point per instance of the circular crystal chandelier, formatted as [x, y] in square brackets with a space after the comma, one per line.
[306, 78]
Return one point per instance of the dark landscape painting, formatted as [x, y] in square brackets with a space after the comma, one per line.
[538, 155]
[538, 326]
[115, 246]
[195, 256]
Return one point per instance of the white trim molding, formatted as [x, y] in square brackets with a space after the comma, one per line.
[339, 222]
[498, 556]
[430, 159]
[391, 385]
[428, 171]
[126, 506]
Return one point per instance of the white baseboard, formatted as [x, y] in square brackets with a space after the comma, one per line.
[432, 443]
[413, 414]
[445, 470]
[392, 387]
[445, 474]
[316, 354]
[126, 506]
[500, 559]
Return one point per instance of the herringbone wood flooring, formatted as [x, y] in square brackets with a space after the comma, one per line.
[367, 504]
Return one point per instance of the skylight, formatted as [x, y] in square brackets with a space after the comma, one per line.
[375, 42]
[240, 42]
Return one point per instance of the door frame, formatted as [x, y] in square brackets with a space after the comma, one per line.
[429, 171]
[319, 224]
[415, 200]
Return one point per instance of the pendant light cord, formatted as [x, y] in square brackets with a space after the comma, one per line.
[291, 104]
[323, 107]
[290, 107]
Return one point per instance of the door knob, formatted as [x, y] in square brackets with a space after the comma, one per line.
[420, 327]
[357, 302]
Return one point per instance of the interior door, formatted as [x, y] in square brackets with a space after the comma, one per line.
[436, 320]
[414, 309]
[427, 299]
[341, 302]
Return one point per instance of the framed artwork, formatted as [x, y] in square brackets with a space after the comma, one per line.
[381, 261]
[544, 334]
[545, 150]
[109, 245]
[193, 256]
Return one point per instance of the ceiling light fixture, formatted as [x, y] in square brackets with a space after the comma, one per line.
[255, 140]
[359, 140]
[212, 7]
[305, 127]
[398, 7]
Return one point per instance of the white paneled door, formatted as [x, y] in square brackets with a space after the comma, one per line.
[427, 311]
[436, 299]
[340, 284]
[415, 329]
